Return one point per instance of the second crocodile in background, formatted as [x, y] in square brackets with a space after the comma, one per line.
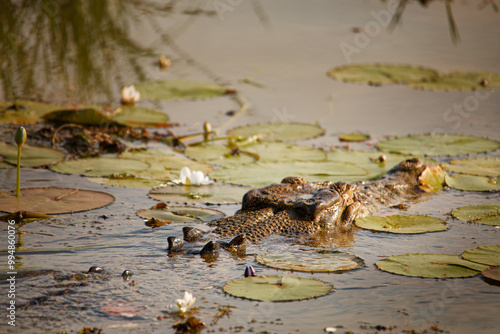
[296, 206]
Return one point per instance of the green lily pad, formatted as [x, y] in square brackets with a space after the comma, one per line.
[472, 183]
[459, 81]
[54, 200]
[411, 224]
[24, 112]
[99, 166]
[375, 162]
[277, 288]
[265, 152]
[209, 194]
[135, 116]
[438, 144]
[489, 255]
[314, 262]
[430, 265]
[381, 74]
[31, 156]
[261, 174]
[86, 116]
[126, 181]
[492, 273]
[477, 166]
[483, 214]
[181, 214]
[278, 131]
[176, 90]
[354, 137]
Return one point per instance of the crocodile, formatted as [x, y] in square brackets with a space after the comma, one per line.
[296, 206]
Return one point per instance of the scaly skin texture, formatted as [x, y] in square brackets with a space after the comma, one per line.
[297, 206]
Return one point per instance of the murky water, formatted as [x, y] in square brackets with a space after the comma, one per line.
[287, 46]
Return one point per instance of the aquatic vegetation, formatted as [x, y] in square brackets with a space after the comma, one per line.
[130, 95]
[20, 139]
[472, 183]
[488, 214]
[32, 156]
[192, 178]
[417, 77]
[354, 137]
[215, 193]
[181, 214]
[54, 200]
[477, 166]
[402, 224]
[313, 262]
[488, 255]
[438, 144]
[278, 131]
[176, 90]
[99, 166]
[24, 111]
[183, 304]
[277, 288]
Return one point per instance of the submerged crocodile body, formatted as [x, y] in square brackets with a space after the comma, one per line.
[296, 206]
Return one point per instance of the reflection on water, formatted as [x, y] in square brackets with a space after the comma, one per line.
[78, 48]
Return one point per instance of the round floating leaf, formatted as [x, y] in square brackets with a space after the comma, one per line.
[483, 214]
[260, 174]
[312, 262]
[354, 137]
[477, 166]
[430, 265]
[264, 152]
[135, 116]
[213, 194]
[100, 166]
[492, 273]
[126, 181]
[380, 74]
[176, 90]
[123, 308]
[31, 156]
[472, 183]
[278, 131]
[277, 288]
[87, 116]
[181, 214]
[376, 163]
[459, 81]
[53, 200]
[402, 224]
[489, 255]
[24, 112]
[438, 144]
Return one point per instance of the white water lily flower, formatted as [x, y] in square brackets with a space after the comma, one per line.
[130, 95]
[194, 178]
[182, 305]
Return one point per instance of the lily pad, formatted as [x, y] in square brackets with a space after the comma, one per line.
[430, 265]
[135, 116]
[277, 288]
[438, 144]
[181, 214]
[127, 181]
[86, 116]
[312, 262]
[24, 112]
[264, 152]
[411, 224]
[477, 166]
[260, 174]
[54, 200]
[209, 194]
[354, 137]
[461, 81]
[489, 255]
[472, 183]
[31, 156]
[492, 273]
[374, 162]
[381, 74]
[99, 166]
[176, 90]
[483, 214]
[278, 131]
